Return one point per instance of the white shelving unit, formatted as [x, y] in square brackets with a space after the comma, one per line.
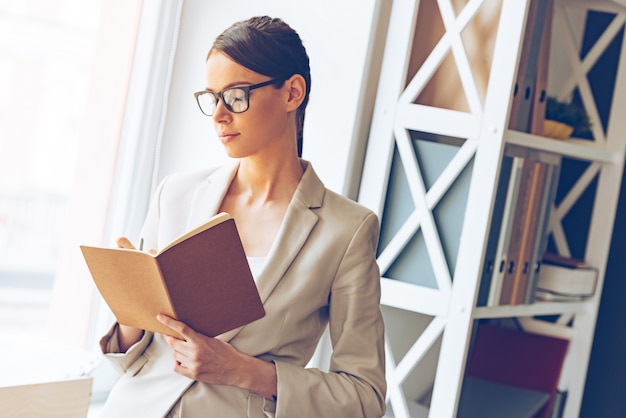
[451, 304]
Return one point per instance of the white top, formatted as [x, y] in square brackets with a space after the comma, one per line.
[256, 265]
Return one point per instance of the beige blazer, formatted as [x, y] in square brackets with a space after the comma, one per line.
[320, 271]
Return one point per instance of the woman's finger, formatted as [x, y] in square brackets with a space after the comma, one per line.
[180, 327]
[123, 242]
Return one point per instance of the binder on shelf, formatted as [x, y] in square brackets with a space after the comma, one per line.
[506, 225]
[528, 106]
[540, 99]
[523, 93]
[513, 259]
[491, 260]
[523, 233]
[543, 229]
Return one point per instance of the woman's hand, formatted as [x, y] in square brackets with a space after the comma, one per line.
[211, 360]
[200, 357]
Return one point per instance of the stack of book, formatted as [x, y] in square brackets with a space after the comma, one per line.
[565, 279]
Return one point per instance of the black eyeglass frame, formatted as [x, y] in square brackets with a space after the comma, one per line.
[246, 89]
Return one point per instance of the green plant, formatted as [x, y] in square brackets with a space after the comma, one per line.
[570, 114]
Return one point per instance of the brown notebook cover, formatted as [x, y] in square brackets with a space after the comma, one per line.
[202, 278]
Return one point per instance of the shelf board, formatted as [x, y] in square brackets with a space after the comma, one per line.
[539, 308]
[574, 148]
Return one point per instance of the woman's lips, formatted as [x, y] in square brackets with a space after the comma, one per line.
[227, 137]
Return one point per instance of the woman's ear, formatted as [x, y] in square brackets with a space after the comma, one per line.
[297, 91]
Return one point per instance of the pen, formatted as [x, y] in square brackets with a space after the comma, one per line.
[141, 244]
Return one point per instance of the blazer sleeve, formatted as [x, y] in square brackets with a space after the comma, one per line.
[355, 384]
[123, 362]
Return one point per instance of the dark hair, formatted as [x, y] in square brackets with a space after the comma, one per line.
[270, 47]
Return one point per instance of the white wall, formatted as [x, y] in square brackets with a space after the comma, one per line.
[336, 35]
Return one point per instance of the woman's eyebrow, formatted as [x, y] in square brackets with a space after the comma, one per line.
[229, 85]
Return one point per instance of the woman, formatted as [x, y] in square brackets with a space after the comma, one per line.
[312, 253]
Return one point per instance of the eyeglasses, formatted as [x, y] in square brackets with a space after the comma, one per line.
[236, 99]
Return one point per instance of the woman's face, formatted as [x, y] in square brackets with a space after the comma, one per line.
[267, 122]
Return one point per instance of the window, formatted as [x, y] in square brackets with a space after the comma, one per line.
[65, 67]
[46, 49]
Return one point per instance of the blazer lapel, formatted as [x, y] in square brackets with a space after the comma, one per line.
[210, 193]
[293, 233]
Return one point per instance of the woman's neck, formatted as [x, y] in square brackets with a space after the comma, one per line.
[264, 181]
